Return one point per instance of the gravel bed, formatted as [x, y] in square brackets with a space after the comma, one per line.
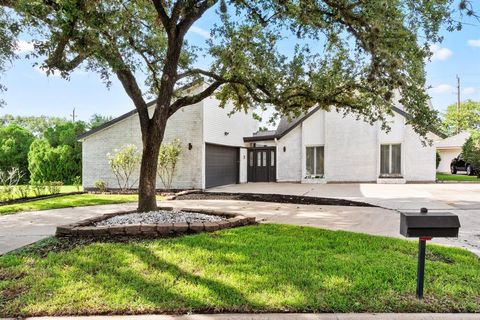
[162, 216]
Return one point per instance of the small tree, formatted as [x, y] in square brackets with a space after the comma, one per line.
[471, 151]
[123, 163]
[167, 162]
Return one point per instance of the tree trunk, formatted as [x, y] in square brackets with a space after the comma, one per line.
[152, 141]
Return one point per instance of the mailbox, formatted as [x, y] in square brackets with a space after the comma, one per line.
[424, 224]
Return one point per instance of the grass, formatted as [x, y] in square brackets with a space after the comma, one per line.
[455, 177]
[63, 189]
[264, 268]
[77, 200]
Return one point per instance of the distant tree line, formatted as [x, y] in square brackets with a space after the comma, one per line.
[44, 148]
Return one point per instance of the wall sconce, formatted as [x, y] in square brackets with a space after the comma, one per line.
[284, 149]
[190, 146]
[226, 133]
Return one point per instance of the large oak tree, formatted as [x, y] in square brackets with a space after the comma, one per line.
[346, 54]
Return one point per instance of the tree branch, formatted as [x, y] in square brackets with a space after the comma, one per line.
[162, 14]
[189, 100]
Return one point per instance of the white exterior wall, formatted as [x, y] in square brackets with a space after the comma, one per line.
[218, 123]
[419, 159]
[289, 162]
[446, 157]
[243, 177]
[351, 148]
[185, 125]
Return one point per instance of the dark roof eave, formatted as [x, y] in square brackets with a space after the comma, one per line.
[111, 122]
[259, 138]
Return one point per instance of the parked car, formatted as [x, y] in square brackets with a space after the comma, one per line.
[459, 164]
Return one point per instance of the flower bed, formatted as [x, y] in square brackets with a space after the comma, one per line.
[165, 221]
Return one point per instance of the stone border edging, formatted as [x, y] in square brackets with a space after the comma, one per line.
[84, 228]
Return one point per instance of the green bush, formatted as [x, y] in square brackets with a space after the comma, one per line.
[15, 142]
[22, 191]
[167, 162]
[438, 158]
[471, 151]
[39, 189]
[47, 163]
[77, 182]
[101, 185]
[123, 163]
[54, 187]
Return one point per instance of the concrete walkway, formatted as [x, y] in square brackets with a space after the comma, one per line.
[461, 199]
[20, 229]
[286, 316]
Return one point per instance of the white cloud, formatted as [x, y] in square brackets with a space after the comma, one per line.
[443, 88]
[201, 32]
[24, 46]
[440, 53]
[469, 90]
[474, 43]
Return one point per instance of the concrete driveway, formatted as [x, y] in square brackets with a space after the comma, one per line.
[461, 199]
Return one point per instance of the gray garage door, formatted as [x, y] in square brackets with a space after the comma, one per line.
[221, 165]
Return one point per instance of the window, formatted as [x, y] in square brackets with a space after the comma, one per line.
[314, 162]
[250, 160]
[264, 158]
[390, 160]
[272, 158]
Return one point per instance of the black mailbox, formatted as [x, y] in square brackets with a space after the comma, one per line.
[423, 224]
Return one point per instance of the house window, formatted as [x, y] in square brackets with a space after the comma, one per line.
[390, 160]
[314, 162]
[250, 160]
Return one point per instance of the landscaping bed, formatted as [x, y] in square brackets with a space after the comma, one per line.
[260, 268]
[166, 221]
[278, 198]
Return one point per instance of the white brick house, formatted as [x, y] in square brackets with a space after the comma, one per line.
[318, 147]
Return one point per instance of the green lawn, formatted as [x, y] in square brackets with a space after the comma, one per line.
[63, 189]
[66, 201]
[259, 268]
[455, 177]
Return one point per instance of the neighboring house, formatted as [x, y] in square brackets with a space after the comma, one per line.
[450, 148]
[316, 147]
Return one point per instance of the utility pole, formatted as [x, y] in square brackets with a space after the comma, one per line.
[73, 115]
[458, 104]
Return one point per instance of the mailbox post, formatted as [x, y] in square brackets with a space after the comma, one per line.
[426, 225]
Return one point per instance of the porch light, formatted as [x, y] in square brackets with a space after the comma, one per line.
[284, 149]
[190, 146]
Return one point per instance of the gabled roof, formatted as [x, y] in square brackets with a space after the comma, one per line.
[286, 125]
[455, 141]
[111, 122]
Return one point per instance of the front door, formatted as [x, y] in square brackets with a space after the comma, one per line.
[262, 165]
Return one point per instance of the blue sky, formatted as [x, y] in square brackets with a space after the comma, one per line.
[31, 92]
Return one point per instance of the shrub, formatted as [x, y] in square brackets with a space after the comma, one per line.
[471, 151]
[77, 182]
[9, 180]
[47, 163]
[23, 191]
[123, 163]
[438, 158]
[54, 187]
[101, 185]
[39, 189]
[167, 162]
[15, 142]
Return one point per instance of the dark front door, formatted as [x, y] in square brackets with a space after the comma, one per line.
[262, 164]
[221, 165]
